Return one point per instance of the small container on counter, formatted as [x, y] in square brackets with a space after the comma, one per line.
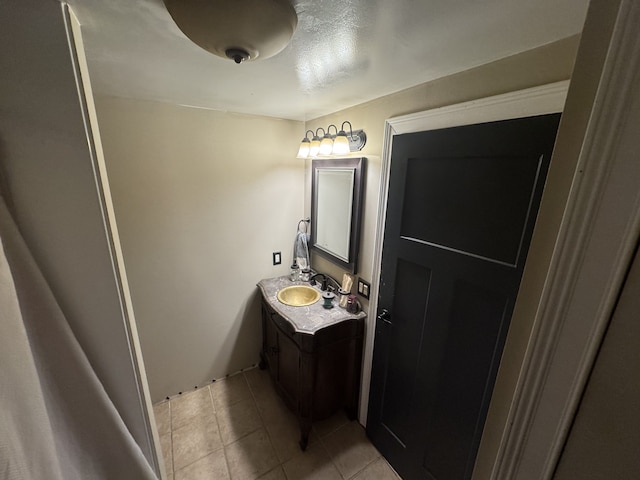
[305, 274]
[294, 274]
[328, 299]
[352, 304]
[344, 297]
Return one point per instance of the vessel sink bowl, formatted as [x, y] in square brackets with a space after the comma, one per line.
[298, 295]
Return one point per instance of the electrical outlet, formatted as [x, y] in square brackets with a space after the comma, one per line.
[277, 258]
[364, 288]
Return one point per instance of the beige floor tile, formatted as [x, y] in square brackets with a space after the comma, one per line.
[350, 449]
[260, 437]
[194, 441]
[230, 390]
[314, 464]
[284, 435]
[192, 405]
[165, 443]
[258, 380]
[251, 456]
[284, 431]
[211, 467]
[163, 417]
[378, 470]
[275, 474]
[238, 420]
[331, 424]
[271, 406]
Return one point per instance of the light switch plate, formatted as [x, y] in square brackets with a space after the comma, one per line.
[364, 288]
[277, 258]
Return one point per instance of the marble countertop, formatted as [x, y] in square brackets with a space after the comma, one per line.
[308, 319]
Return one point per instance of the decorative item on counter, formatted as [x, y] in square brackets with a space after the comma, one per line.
[294, 275]
[328, 299]
[353, 306]
[344, 296]
[305, 274]
[347, 282]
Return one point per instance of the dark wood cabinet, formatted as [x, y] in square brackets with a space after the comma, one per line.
[317, 373]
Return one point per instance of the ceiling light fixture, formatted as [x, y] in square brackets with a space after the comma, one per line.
[242, 30]
[331, 145]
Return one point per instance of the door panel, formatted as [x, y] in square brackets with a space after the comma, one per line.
[485, 225]
[402, 368]
[474, 327]
[461, 209]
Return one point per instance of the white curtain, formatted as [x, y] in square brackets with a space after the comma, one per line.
[56, 420]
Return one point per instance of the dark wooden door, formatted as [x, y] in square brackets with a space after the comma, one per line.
[461, 209]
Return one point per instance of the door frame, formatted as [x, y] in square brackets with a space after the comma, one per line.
[593, 253]
[523, 103]
[593, 250]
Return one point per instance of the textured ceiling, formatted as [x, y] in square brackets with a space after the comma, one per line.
[344, 52]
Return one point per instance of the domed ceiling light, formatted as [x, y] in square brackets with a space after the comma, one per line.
[242, 30]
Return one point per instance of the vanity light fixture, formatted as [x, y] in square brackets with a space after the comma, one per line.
[340, 143]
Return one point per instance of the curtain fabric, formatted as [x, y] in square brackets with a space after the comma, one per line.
[56, 420]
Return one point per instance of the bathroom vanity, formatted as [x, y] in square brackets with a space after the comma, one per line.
[313, 354]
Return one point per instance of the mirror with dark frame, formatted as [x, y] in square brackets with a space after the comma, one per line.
[336, 209]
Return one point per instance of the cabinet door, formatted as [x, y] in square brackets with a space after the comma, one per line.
[269, 343]
[288, 368]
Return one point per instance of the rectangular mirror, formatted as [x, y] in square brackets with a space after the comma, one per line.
[336, 209]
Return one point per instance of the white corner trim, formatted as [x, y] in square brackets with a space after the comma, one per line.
[523, 103]
[151, 449]
[597, 238]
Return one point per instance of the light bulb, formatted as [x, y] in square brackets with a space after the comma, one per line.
[303, 152]
[326, 146]
[341, 144]
[314, 148]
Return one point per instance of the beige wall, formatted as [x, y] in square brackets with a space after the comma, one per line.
[202, 199]
[547, 64]
[604, 438]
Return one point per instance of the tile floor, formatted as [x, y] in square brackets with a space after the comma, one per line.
[239, 429]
